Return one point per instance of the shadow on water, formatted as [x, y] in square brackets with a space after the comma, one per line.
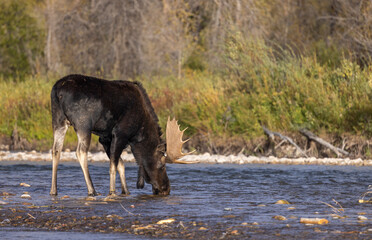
[217, 197]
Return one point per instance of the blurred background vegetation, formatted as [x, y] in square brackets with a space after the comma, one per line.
[223, 68]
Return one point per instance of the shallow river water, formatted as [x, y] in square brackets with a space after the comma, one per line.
[211, 200]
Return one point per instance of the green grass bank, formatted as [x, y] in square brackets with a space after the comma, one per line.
[255, 85]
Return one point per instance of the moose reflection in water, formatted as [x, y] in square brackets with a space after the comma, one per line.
[120, 113]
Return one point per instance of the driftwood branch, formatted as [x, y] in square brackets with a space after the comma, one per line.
[271, 135]
[312, 137]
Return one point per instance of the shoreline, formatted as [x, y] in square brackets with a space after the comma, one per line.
[206, 158]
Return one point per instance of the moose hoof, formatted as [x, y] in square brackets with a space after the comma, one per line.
[125, 193]
[53, 194]
[112, 194]
[92, 194]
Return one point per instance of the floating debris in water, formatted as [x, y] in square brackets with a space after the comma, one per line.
[24, 185]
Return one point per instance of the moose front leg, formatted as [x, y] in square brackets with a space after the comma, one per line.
[106, 143]
[81, 153]
[140, 177]
[121, 171]
[117, 164]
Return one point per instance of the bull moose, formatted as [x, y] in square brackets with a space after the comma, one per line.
[121, 114]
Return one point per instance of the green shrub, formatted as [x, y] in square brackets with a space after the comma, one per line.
[21, 40]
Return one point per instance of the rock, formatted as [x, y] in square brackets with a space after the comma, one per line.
[362, 218]
[280, 218]
[203, 229]
[5, 221]
[165, 221]
[282, 202]
[6, 194]
[320, 221]
[3, 203]
[139, 228]
[25, 195]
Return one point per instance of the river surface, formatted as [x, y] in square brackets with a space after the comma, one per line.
[219, 200]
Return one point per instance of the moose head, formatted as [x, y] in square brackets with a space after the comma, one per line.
[154, 172]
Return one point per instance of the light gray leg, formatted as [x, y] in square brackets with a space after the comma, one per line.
[82, 155]
[121, 171]
[117, 145]
[59, 136]
[113, 168]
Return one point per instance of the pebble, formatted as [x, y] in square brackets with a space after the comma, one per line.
[5, 221]
[280, 218]
[362, 218]
[282, 202]
[164, 221]
[25, 195]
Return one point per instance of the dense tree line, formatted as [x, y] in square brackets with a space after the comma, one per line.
[124, 38]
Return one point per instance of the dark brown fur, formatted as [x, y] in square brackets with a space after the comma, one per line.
[120, 113]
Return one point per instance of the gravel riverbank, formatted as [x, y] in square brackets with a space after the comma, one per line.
[201, 158]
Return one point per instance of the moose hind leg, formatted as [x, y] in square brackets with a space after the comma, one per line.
[82, 155]
[59, 136]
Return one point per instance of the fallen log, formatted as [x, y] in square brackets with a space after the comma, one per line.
[312, 137]
[271, 135]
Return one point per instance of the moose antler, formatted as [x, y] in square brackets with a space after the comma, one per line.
[175, 142]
